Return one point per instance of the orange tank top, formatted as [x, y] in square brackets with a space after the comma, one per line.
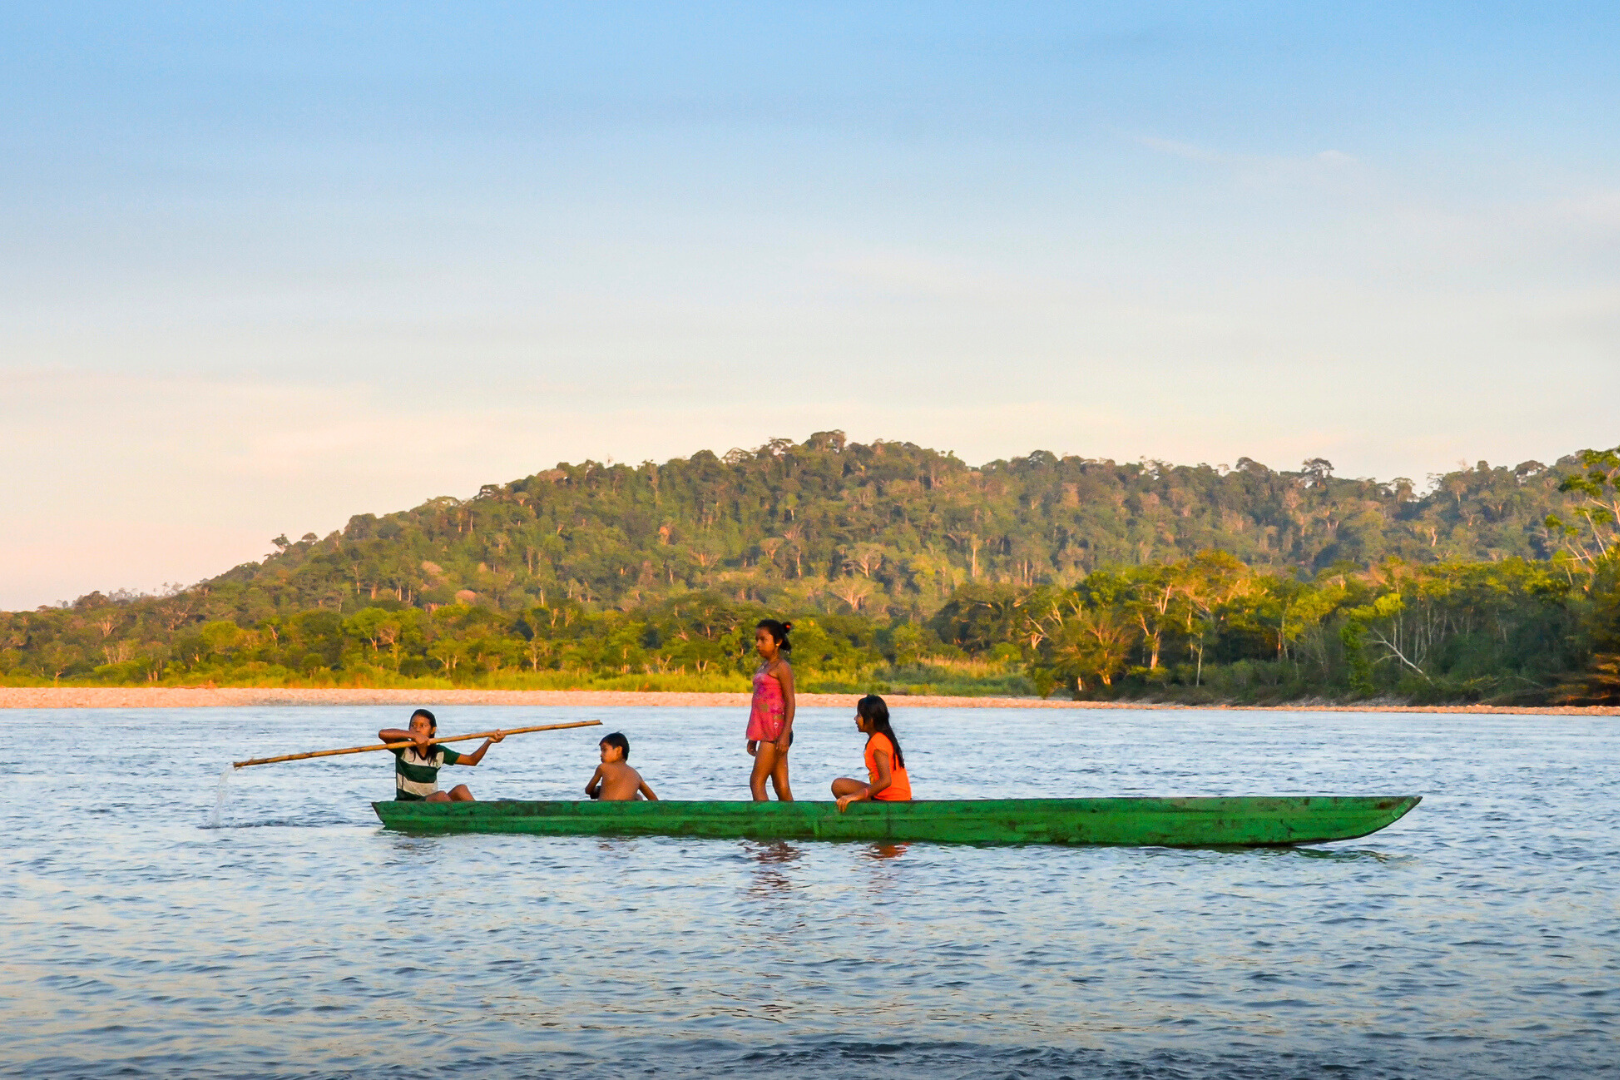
[899, 789]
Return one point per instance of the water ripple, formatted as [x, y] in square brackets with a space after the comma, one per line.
[1476, 937]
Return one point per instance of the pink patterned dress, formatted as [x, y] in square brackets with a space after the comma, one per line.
[769, 711]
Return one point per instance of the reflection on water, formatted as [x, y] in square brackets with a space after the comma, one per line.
[776, 852]
[1338, 854]
[770, 877]
[884, 851]
[1475, 938]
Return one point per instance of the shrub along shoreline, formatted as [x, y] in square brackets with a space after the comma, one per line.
[1203, 631]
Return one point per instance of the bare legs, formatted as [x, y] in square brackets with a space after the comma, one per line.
[771, 762]
[779, 778]
[845, 786]
[459, 793]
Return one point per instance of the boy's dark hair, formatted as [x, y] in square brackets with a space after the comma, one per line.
[875, 711]
[617, 739]
[778, 631]
[433, 723]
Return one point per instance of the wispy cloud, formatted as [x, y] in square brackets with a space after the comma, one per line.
[1311, 166]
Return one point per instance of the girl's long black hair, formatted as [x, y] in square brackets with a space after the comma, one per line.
[875, 711]
[779, 633]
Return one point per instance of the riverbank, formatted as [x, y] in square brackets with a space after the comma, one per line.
[175, 697]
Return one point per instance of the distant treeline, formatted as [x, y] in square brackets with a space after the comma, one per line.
[905, 569]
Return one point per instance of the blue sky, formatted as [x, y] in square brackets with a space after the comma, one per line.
[262, 269]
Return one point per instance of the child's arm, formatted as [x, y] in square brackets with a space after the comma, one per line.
[884, 776]
[478, 755]
[398, 735]
[593, 786]
[884, 779]
[784, 675]
[647, 792]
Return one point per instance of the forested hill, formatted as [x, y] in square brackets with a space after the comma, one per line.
[907, 571]
[886, 529]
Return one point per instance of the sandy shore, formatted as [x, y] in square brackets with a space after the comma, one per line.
[117, 697]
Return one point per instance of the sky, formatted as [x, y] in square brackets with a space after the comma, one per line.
[263, 267]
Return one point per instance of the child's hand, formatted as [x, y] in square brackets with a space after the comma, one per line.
[753, 749]
[497, 737]
[844, 801]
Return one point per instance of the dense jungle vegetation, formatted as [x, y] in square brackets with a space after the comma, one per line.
[905, 569]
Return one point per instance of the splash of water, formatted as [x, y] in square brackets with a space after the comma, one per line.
[219, 796]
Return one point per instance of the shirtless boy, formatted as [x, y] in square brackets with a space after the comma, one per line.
[614, 780]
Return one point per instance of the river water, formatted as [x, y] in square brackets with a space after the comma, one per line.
[1479, 936]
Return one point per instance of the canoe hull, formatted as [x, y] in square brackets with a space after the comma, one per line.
[1244, 821]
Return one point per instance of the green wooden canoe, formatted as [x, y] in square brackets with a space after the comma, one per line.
[1195, 822]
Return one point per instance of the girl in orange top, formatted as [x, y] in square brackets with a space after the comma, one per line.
[885, 764]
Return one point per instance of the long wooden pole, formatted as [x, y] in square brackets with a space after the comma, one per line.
[397, 745]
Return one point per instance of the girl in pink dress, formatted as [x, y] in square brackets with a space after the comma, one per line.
[770, 720]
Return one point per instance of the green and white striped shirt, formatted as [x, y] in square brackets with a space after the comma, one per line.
[416, 777]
